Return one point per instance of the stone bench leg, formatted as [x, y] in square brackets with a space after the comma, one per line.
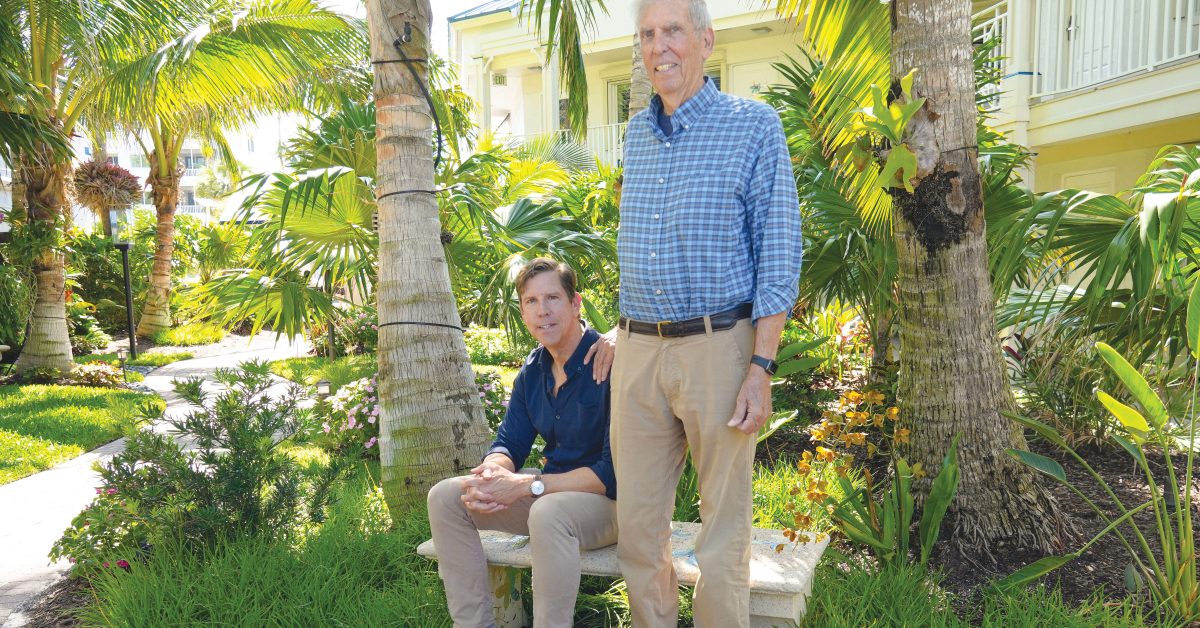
[775, 610]
[506, 589]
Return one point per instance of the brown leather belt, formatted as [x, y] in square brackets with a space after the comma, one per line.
[677, 329]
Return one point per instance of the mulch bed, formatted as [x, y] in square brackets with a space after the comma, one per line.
[56, 607]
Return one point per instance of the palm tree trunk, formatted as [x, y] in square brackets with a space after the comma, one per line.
[640, 89]
[952, 377]
[48, 344]
[156, 314]
[432, 425]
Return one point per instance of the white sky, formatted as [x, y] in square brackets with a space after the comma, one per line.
[442, 9]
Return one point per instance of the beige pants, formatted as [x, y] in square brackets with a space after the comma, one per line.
[671, 394]
[559, 525]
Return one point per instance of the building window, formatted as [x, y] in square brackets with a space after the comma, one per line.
[188, 196]
[138, 160]
[250, 144]
[193, 161]
[618, 102]
[112, 160]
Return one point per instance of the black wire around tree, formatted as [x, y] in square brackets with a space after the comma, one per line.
[437, 157]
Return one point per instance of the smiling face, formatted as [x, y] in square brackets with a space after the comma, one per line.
[550, 314]
[674, 51]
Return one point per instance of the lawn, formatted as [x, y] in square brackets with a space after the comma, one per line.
[145, 359]
[341, 371]
[41, 426]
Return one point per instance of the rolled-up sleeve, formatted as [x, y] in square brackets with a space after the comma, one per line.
[774, 214]
[517, 433]
[603, 468]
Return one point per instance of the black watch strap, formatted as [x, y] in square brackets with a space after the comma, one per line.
[767, 365]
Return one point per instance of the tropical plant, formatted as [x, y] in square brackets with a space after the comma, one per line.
[432, 422]
[221, 69]
[564, 22]
[1171, 574]
[880, 141]
[101, 186]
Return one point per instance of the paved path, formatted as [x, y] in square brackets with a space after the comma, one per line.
[35, 510]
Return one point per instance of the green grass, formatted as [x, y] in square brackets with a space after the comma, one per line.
[145, 359]
[189, 335]
[339, 371]
[352, 571]
[853, 596]
[41, 426]
[342, 371]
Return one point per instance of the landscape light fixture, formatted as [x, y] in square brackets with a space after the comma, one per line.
[121, 218]
[121, 359]
[323, 388]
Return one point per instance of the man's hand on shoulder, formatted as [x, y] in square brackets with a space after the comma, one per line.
[603, 351]
[753, 406]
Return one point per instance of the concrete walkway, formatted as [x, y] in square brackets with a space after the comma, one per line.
[35, 510]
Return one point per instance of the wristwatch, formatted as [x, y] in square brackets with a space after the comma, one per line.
[767, 365]
[537, 487]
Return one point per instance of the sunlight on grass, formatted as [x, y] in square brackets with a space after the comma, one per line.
[343, 370]
[144, 359]
[189, 335]
[41, 426]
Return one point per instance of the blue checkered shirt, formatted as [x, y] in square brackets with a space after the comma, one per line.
[709, 214]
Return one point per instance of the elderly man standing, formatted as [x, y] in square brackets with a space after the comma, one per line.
[565, 508]
[709, 249]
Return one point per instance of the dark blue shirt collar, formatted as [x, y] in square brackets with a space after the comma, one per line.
[546, 361]
[690, 111]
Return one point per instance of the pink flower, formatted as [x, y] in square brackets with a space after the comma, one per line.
[112, 491]
[370, 443]
[482, 394]
[106, 563]
[352, 423]
[325, 426]
[123, 564]
[371, 420]
[98, 491]
[375, 411]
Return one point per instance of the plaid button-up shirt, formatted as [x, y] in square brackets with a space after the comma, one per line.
[709, 215]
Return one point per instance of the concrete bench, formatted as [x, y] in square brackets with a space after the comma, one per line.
[779, 582]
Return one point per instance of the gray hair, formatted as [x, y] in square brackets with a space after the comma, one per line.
[697, 10]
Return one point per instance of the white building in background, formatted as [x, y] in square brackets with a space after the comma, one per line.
[258, 147]
[503, 66]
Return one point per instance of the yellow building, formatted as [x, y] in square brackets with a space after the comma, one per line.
[503, 66]
[1093, 87]
[1096, 87]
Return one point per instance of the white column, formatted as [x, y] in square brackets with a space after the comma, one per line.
[1021, 73]
[550, 95]
[483, 77]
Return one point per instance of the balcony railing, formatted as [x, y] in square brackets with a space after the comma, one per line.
[1085, 42]
[191, 210]
[605, 142]
[992, 23]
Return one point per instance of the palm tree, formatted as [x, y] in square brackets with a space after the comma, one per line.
[944, 288]
[68, 53]
[564, 22]
[432, 424]
[228, 65]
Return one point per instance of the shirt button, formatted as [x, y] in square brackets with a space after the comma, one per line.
[662, 180]
[653, 254]
[658, 292]
[668, 144]
[656, 216]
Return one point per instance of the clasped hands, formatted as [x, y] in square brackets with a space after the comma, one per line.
[492, 487]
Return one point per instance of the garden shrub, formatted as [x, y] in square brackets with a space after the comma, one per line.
[355, 332]
[96, 375]
[350, 419]
[14, 303]
[86, 334]
[494, 396]
[94, 265]
[486, 345]
[236, 482]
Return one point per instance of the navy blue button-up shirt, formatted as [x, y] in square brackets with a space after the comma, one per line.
[573, 423]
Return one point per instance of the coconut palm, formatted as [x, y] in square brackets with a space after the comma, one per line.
[563, 22]
[231, 62]
[70, 54]
[432, 422]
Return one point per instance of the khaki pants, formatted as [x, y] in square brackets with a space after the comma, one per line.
[559, 525]
[671, 394]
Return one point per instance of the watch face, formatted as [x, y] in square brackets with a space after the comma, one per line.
[537, 488]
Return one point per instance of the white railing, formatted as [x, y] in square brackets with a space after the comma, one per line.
[605, 142]
[192, 172]
[992, 23]
[192, 210]
[1085, 42]
[5, 172]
